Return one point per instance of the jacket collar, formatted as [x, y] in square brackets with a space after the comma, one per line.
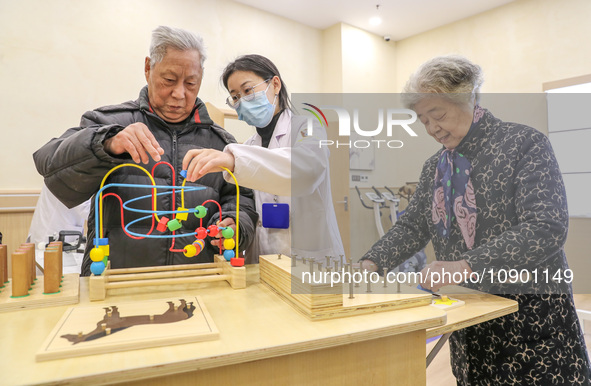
[199, 114]
[479, 133]
[283, 124]
[282, 128]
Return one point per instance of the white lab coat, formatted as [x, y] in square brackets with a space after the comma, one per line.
[51, 217]
[293, 170]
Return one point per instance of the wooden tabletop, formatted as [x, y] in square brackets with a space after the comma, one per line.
[254, 323]
[478, 308]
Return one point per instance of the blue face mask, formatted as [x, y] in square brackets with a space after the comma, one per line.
[258, 111]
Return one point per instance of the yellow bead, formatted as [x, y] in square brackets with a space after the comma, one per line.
[105, 249]
[182, 216]
[229, 244]
[96, 254]
[190, 250]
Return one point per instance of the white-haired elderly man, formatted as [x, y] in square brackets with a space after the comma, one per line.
[166, 121]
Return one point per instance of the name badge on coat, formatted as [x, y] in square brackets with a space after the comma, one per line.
[276, 215]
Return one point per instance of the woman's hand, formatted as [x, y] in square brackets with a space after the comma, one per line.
[199, 162]
[442, 273]
[368, 265]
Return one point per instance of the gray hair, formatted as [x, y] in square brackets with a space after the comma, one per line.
[453, 76]
[164, 37]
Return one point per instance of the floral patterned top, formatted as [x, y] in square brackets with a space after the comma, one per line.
[522, 223]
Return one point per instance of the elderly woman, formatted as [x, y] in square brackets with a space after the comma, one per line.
[491, 197]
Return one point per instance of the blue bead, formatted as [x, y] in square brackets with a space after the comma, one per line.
[97, 268]
[98, 242]
[183, 173]
[228, 254]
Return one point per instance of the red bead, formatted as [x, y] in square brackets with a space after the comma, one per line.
[213, 230]
[201, 233]
[162, 224]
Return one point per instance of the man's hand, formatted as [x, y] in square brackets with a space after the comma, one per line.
[137, 140]
[441, 273]
[227, 222]
[199, 162]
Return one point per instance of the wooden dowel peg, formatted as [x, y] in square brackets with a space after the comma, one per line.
[31, 248]
[51, 273]
[20, 274]
[3, 264]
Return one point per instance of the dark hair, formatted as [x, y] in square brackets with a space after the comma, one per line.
[262, 67]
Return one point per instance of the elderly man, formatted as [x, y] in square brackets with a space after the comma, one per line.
[156, 130]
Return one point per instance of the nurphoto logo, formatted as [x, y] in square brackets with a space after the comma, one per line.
[392, 118]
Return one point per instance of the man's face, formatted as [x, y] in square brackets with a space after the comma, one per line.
[173, 84]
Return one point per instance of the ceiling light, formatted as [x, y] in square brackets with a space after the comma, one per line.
[376, 20]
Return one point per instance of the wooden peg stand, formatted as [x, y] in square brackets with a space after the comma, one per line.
[323, 301]
[24, 290]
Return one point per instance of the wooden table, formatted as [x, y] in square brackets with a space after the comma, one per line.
[262, 341]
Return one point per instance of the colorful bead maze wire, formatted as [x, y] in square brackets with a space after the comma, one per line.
[100, 253]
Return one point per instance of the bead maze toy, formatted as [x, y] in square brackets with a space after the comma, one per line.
[25, 290]
[228, 265]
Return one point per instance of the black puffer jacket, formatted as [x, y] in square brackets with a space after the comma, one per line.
[75, 164]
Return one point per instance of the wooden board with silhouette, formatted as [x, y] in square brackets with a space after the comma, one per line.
[112, 327]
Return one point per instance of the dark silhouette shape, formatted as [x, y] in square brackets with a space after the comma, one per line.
[113, 321]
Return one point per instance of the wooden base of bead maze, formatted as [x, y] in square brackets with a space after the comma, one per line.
[321, 301]
[169, 275]
[69, 294]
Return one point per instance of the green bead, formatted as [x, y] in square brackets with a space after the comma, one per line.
[173, 225]
[228, 233]
[200, 211]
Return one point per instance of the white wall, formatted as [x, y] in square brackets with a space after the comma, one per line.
[520, 45]
[60, 58]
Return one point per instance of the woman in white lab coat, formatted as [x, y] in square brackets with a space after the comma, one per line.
[282, 162]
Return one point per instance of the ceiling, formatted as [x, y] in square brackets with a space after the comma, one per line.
[400, 18]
